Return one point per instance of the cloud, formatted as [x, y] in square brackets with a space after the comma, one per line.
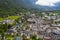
[46, 2]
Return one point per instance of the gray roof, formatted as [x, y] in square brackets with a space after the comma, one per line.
[18, 38]
[56, 32]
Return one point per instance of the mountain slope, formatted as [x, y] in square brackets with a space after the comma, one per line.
[8, 7]
[12, 7]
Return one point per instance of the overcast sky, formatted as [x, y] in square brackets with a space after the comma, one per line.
[43, 2]
[50, 4]
[47, 2]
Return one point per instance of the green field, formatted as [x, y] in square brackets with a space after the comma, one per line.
[1, 19]
[10, 17]
[13, 17]
[9, 37]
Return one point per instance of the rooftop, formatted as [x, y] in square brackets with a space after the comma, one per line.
[56, 32]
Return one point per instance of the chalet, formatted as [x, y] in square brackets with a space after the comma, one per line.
[31, 20]
[11, 32]
[46, 38]
[8, 21]
[18, 38]
[55, 35]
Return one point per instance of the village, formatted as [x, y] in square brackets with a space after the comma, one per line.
[43, 27]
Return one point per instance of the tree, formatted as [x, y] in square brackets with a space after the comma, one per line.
[33, 37]
[3, 28]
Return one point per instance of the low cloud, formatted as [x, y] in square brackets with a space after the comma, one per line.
[46, 2]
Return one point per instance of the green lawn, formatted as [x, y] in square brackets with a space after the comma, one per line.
[13, 17]
[10, 17]
[1, 19]
[9, 37]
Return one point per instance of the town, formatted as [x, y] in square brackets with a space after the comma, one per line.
[31, 27]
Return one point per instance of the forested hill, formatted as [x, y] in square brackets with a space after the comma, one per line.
[13, 7]
[9, 7]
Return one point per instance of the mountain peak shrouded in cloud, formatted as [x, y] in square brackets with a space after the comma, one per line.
[42, 4]
[37, 4]
[46, 2]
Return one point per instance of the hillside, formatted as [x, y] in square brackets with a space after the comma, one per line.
[8, 7]
[12, 7]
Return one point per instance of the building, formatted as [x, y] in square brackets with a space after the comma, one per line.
[11, 32]
[17, 38]
[55, 35]
[8, 21]
[47, 38]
